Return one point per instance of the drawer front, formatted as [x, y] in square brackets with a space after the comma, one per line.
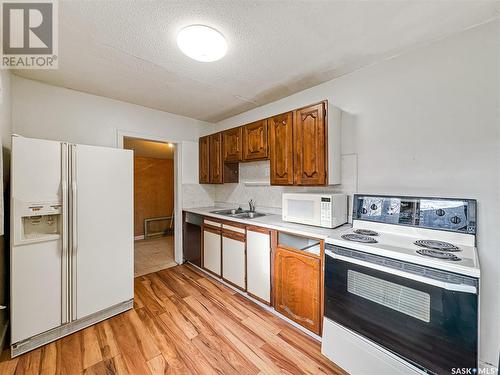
[212, 223]
[212, 252]
[233, 228]
[234, 235]
[233, 261]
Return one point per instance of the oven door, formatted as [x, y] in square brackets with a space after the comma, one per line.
[429, 322]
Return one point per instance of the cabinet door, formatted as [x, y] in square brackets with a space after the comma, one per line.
[255, 140]
[310, 145]
[212, 251]
[281, 148]
[216, 167]
[204, 175]
[232, 145]
[259, 264]
[233, 259]
[297, 288]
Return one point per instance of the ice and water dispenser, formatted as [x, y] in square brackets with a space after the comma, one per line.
[37, 221]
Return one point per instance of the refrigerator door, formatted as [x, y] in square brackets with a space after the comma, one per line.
[38, 265]
[102, 228]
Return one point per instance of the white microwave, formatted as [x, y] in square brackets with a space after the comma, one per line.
[322, 210]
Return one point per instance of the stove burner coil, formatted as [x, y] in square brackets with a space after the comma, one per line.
[436, 245]
[358, 238]
[366, 232]
[438, 254]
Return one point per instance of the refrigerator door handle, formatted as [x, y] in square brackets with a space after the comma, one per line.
[65, 242]
[74, 235]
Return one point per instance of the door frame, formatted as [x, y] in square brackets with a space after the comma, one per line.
[120, 134]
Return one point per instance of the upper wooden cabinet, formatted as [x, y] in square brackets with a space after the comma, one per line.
[281, 148]
[232, 141]
[255, 141]
[297, 291]
[215, 159]
[204, 161]
[303, 147]
[310, 141]
[212, 169]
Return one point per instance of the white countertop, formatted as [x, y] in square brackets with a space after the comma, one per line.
[272, 221]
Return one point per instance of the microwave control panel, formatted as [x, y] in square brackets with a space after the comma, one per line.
[326, 210]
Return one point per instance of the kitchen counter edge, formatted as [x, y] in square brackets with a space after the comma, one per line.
[272, 221]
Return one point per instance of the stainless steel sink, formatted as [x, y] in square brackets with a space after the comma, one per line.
[238, 214]
[249, 215]
[227, 212]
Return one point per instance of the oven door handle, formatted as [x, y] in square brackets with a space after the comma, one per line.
[440, 284]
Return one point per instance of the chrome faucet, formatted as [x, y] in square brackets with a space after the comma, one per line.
[251, 204]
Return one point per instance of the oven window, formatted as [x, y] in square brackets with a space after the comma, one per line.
[394, 296]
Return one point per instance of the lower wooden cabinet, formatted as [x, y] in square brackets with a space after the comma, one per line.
[259, 263]
[212, 250]
[297, 287]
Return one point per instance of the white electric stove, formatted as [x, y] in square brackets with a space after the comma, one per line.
[454, 252]
[402, 287]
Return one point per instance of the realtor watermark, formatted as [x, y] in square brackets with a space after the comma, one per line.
[29, 34]
[474, 371]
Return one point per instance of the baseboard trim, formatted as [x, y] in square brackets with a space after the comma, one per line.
[34, 342]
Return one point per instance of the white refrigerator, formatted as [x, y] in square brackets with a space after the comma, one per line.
[71, 238]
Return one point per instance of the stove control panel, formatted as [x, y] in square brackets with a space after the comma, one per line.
[449, 214]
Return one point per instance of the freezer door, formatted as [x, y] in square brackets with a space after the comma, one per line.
[36, 170]
[38, 265]
[102, 228]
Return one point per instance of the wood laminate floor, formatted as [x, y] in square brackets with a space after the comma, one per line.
[182, 323]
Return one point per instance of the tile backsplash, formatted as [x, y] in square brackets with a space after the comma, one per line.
[254, 184]
[197, 195]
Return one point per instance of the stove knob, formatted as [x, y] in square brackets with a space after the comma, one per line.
[440, 212]
[364, 211]
[373, 207]
[455, 220]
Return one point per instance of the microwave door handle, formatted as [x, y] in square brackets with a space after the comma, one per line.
[440, 284]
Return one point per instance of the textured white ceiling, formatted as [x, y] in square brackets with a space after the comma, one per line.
[126, 50]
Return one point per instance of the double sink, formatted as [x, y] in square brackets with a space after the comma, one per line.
[239, 213]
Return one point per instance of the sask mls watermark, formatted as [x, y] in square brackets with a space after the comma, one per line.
[29, 34]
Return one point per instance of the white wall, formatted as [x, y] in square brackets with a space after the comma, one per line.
[45, 111]
[425, 123]
[49, 112]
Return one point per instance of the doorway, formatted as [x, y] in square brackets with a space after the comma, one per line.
[154, 171]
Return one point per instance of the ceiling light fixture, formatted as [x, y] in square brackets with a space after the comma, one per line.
[202, 43]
